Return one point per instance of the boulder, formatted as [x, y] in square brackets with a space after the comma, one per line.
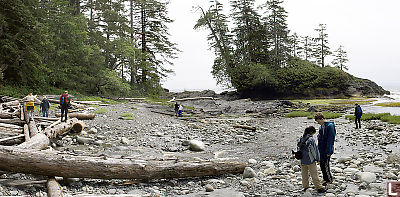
[196, 145]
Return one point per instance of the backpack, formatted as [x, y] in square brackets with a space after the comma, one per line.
[65, 101]
[298, 154]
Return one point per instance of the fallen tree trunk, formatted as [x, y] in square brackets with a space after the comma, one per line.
[47, 163]
[245, 127]
[10, 126]
[13, 121]
[194, 98]
[73, 104]
[46, 118]
[39, 141]
[63, 128]
[33, 130]
[80, 116]
[6, 115]
[26, 133]
[12, 140]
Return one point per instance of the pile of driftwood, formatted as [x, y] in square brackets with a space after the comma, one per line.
[24, 148]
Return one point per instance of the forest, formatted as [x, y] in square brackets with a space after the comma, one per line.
[122, 48]
[92, 47]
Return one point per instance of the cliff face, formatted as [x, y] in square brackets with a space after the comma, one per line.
[365, 87]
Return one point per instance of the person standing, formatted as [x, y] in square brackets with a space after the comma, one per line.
[65, 102]
[180, 110]
[358, 114]
[30, 104]
[326, 140]
[176, 108]
[310, 156]
[45, 106]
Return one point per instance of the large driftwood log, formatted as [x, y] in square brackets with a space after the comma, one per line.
[26, 133]
[53, 188]
[57, 164]
[10, 126]
[13, 121]
[33, 130]
[73, 104]
[12, 140]
[6, 115]
[245, 127]
[63, 128]
[39, 141]
[80, 116]
[9, 104]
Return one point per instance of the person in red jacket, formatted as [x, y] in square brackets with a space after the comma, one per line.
[65, 102]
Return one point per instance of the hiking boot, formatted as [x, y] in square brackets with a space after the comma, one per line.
[322, 190]
[325, 183]
[305, 189]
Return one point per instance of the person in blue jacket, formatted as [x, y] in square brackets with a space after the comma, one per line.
[326, 140]
[358, 114]
[310, 156]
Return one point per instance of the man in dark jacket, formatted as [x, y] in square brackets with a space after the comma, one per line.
[358, 114]
[45, 106]
[326, 140]
[65, 101]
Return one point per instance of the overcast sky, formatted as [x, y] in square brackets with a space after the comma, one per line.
[369, 30]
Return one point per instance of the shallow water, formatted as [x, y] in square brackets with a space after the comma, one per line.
[393, 97]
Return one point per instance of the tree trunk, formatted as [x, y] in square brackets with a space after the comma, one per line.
[12, 140]
[26, 133]
[13, 121]
[6, 115]
[80, 116]
[63, 128]
[47, 163]
[33, 130]
[39, 141]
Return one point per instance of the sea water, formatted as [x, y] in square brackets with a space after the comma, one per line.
[393, 97]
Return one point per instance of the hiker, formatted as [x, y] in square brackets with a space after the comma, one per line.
[358, 114]
[180, 110]
[45, 106]
[176, 108]
[30, 104]
[65, 102]
[310, 156]
[326, 140]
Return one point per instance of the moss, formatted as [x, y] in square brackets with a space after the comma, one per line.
[388, 104]
[134, 108]
[101, 111]
[310, 115]
[128, 118]
[127, 115]
[294, 114]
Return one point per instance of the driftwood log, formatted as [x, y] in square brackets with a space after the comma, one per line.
[18, 139]
[39, 141]
[80, 116]
[6, 115]
[73, 125]
[48, 163]
[245, 127]
[13, 121]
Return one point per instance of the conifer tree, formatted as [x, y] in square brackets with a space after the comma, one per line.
[321, 50]
[340, 58]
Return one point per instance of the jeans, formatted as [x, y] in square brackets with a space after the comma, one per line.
[326, 170]
[45, 112]
[64, 109]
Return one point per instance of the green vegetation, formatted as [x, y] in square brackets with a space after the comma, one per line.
[310, 115]
[389, 104]
[50, 46]
[96, 98]
[134, 108]
[350, 101]
[189, 107]
[127, 116]
[101, 111]
[386, 117]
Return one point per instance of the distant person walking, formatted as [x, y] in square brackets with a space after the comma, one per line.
[180, 110]
[310, 155]
[326, 140]
[30, 104]
[65, 102]
[176, 108]
[358, 113]
[45, 106]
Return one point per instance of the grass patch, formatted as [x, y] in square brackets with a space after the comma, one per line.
[189, 107]
[310, 115]
[114, 110]
[388, 104]
[101, 111]
[128, 118]
[96, 106]
[368, 116]
[386, 117]
[350, 101]
[127, 115]
[134, 108]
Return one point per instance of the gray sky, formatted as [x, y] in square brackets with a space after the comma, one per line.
[369, 30]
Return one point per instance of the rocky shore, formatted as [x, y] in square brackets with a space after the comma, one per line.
[365, 159]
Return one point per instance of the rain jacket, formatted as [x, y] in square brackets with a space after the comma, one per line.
[326, 140]
[309, 150]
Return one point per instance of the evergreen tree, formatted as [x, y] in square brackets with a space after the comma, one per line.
[219, 40]
[340, 58]
[278, 31]
[321, 50]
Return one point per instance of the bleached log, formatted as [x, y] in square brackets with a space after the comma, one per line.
[80, 116]
[26, 133]
[33, 130]
[54, 189]
[10, 103]
[73, 104]
[11, 126]
[6, 115]
[245, 127]
[39, 141]
[13, 121]
[88, 102]
[63, 128]
[12, 140]
[194, 98]
[53, 163]
[46, 118]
